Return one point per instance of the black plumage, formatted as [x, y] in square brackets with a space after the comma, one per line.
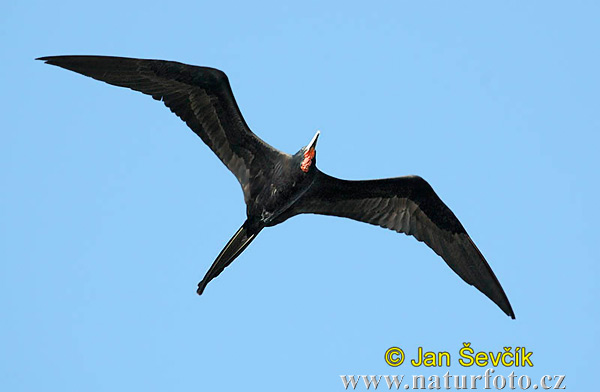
[277, 185]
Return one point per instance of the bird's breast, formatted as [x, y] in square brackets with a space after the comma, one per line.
[276, 197]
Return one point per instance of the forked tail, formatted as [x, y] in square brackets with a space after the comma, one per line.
[234, 247]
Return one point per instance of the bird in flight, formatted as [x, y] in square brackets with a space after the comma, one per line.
[278, 185]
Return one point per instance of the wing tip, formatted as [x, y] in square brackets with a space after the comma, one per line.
[201, 287]
[52, 60]
[503, 303]
[509, 312]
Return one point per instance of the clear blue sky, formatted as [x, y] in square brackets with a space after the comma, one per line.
[112, 210]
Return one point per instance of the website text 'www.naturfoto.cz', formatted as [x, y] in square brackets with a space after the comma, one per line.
[457, 382]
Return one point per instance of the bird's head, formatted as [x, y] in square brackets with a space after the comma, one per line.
[309, 154]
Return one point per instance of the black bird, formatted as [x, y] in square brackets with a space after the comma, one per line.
[277, 185]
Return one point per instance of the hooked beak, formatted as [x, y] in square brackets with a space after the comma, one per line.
[313, 143]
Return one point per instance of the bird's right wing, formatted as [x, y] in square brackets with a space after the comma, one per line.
[407, 205]
[200, 96]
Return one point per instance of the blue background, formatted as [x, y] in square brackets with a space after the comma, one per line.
[112, 210]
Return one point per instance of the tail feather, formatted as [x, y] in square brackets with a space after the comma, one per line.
[236, 245]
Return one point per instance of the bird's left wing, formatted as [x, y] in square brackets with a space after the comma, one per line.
[200, 96]
[407, 205]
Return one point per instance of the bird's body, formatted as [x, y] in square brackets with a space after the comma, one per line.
[278, 186]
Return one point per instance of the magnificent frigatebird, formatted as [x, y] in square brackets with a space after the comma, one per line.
[277, 185]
